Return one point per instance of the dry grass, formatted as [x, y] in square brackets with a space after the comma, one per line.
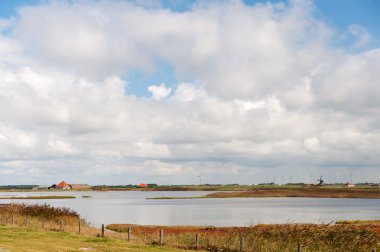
[41, 216]
[313, 192]
[260, 238]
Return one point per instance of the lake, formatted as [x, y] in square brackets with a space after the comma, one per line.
[133, 207]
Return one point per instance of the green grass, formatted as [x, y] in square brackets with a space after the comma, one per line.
[30, 240]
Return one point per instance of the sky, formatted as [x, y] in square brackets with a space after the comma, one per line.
[124, 92]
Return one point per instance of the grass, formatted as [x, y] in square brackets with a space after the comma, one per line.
[284, 237]
[34, 227]
[311, 192]
[41, 216]
[41, 197]
[35, 210]
[30, 240]
[38, 226]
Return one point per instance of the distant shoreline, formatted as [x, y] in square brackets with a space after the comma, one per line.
[230, 191]
[40, 197]
[310, 192]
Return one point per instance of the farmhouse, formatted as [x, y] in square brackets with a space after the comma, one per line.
[65, 186]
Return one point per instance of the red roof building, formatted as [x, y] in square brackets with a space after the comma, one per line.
[63, 185]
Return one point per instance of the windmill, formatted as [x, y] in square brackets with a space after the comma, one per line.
[321, 181]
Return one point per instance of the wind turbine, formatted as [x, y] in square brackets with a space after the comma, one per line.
[337, 178]
[200, 179]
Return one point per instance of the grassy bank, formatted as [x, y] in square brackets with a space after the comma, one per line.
[311, 192]
[41, 197]
[34, 227]
[287, 237]
[17, 239]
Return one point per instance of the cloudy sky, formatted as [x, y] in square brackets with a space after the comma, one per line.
[121, 92]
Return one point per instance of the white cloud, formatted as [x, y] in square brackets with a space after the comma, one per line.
[311, 144]
[61, 148]
[268, 95]
[361, 34]
[186, 92]
[159, 92]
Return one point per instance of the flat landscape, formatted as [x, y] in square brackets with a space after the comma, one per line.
[278, 191]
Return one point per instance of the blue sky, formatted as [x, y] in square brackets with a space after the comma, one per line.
[338, 14]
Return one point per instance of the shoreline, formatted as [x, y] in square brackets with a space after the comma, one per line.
[39, 197]
[311, 192]
[237, 192]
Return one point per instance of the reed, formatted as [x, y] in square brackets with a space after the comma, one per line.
[40, 216]
[285, 237]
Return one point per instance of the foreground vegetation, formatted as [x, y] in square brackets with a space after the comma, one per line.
[287, 237]
[17, 239]
[36, 227]
[46, 228]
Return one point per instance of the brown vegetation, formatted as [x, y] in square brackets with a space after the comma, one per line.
[313, 192]
[41, 216]
[285, 237]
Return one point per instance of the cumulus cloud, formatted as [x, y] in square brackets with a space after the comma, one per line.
[159, 92]
[260, 93]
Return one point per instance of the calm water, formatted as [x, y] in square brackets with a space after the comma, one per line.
[132, 207]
